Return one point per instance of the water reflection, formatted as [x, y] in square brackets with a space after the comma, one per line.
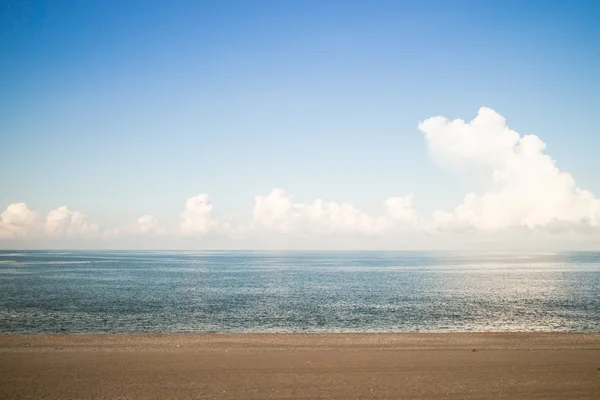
[297, 292]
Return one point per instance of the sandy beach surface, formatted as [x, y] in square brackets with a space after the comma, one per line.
[301, 366]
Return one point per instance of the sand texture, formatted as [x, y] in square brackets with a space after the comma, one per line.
[312, 366]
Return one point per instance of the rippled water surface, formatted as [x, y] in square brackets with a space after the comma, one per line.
[130, 291]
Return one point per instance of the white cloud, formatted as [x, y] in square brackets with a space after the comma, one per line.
[401, 209]
[523, 191]
[278, 212]
[64, 222]
[18, 221]
[527, 189]
[196, 218]
[486, 140]
[147, 223]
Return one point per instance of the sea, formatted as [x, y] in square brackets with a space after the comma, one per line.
[330, 291]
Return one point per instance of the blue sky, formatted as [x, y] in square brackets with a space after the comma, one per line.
[120, 109]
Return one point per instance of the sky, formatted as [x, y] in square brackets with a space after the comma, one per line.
[399, 125]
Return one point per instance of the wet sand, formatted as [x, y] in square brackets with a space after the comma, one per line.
[311, 366]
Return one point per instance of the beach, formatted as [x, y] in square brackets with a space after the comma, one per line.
[306, 366]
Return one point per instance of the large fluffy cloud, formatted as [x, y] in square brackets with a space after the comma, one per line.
[64, 222]
[197, 218]
[401, 210]
[527, 189]
[18, 221]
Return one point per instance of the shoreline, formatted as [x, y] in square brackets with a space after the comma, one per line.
[525, 365]
[387, 340]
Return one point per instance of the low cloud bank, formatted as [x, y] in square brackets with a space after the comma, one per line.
[526, 192]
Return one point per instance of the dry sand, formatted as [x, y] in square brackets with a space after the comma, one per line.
[285, 366]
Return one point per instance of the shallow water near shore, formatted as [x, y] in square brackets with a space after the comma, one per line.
[235, 291]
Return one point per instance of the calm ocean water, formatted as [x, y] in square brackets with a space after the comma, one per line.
[132, 291]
